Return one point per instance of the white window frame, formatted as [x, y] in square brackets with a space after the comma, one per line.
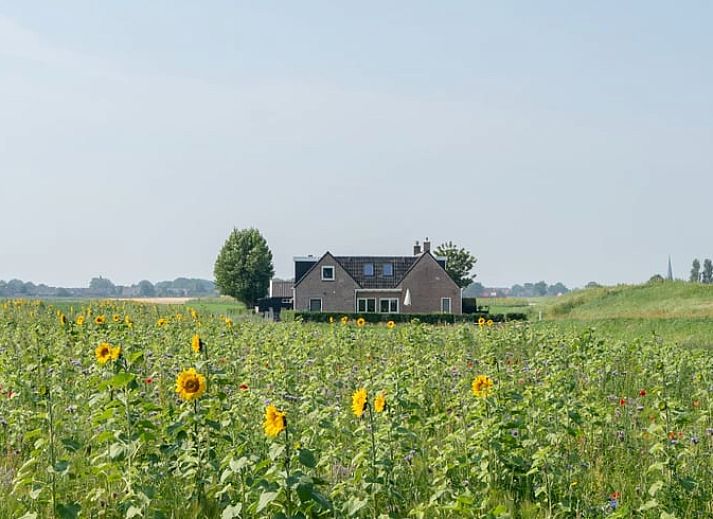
[390, 299]
[309, 304]
[450, 305]
[334, 272]
[366, 304]
[383, 270]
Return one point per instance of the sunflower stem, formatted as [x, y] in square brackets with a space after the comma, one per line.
[287, 471]
[373, 456]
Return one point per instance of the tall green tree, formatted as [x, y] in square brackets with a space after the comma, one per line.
[459, 263]
[695, 271]
[707, 275]
[243, 268]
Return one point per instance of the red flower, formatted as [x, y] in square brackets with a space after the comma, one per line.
[622, 402]
[243, 387]
[615, 495]
[642, 392]
[148, 380]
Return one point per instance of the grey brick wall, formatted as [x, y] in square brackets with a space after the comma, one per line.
[428, 283]
[337, 295]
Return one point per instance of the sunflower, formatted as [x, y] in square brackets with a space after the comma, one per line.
[489, 322]
[116, 318]
[62, 319]
[197, 344]
[275, 421]
[79, 320]
[99, 319]
[390, 325]
[481, 385]
[228, 322]
[103, 352]
[331, 320]
[359, 402]
[190, 385]
[194, 314]
[380, 403]
[128, 321]
[361, 322]
[161, 322]
[481, 322]
[344, 319]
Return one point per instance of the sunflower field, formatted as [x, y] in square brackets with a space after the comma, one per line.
[119, 410]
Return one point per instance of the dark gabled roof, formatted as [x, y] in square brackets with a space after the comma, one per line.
[354, 265]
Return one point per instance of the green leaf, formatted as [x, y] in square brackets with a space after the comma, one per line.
[121, 379]
[237, 466]
[276, 451]
[232, 511]
[307, 458]
[265, 499]
[29, 515]
[651, 503]
[133, 511]
[354, 505]
[655, 488]
[68, 511]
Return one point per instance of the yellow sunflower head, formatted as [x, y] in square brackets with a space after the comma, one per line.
[99, 319]
[228, 322]
[194, 314]
[331, 319]
[161, 322]
[275, 421]
[62, 319]
[344, 319]
[115, 352]
[197, 343]
[116, 318]
[482, 385]
[79, 320]
[380, 403]
[128, 321]
[489, 322]
[103, 352]
[359, 402]
[391, 325]
[190, 385]
[481, 321]
[361, 322]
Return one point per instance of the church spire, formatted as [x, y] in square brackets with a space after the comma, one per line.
[669, 276]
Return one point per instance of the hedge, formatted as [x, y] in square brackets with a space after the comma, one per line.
[324, 317]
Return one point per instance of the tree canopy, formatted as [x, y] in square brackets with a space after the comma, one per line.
[243, 268]
[459, 263]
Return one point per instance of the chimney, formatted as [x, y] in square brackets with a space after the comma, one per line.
[416, 249]
[426, 245]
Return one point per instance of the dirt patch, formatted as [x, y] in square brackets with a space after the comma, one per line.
[158, 300]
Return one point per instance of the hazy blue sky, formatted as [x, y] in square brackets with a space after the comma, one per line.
[564, 141]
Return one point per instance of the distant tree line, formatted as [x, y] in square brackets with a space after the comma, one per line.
[705, 275]
[103, 287]
[525, 290]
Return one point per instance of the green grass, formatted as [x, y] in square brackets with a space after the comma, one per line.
[217, 306]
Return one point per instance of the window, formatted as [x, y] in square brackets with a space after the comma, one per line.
[388, 269]
[389, 306]
[328, 273]
[366, 305]
[368, 269]
[446, 305]
[315, 305]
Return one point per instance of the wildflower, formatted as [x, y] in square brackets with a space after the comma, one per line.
[244, 387]
[194, 314]
[390, 325]
[228, 322]
[79, 320]
[481, 385]
[622, 401]
[614, 500]
[642, 393]
[694, 439]
[148, 380]
[409, 457]
[99, 319]
[161, 322]
[197, 344]
[621, 435]
[380, 403]
[361, 322]
[359, 402]
[190, 385]
[344, 319]
[275, 421]
[709, 431]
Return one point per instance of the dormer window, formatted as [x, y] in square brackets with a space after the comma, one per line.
[368, 269]
[388, 269]
[328, 273]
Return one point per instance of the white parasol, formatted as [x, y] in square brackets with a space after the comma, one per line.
[407, 298]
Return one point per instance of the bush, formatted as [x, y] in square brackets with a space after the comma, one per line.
[324, 317]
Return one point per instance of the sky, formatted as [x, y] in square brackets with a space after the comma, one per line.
[557, 141]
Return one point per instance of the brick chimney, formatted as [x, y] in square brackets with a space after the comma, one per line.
[416, 249]
[426, 245]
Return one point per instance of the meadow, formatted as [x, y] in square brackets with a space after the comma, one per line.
[124, 410]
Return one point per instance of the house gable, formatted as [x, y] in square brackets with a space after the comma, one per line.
[336, 295]
[428, 283]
